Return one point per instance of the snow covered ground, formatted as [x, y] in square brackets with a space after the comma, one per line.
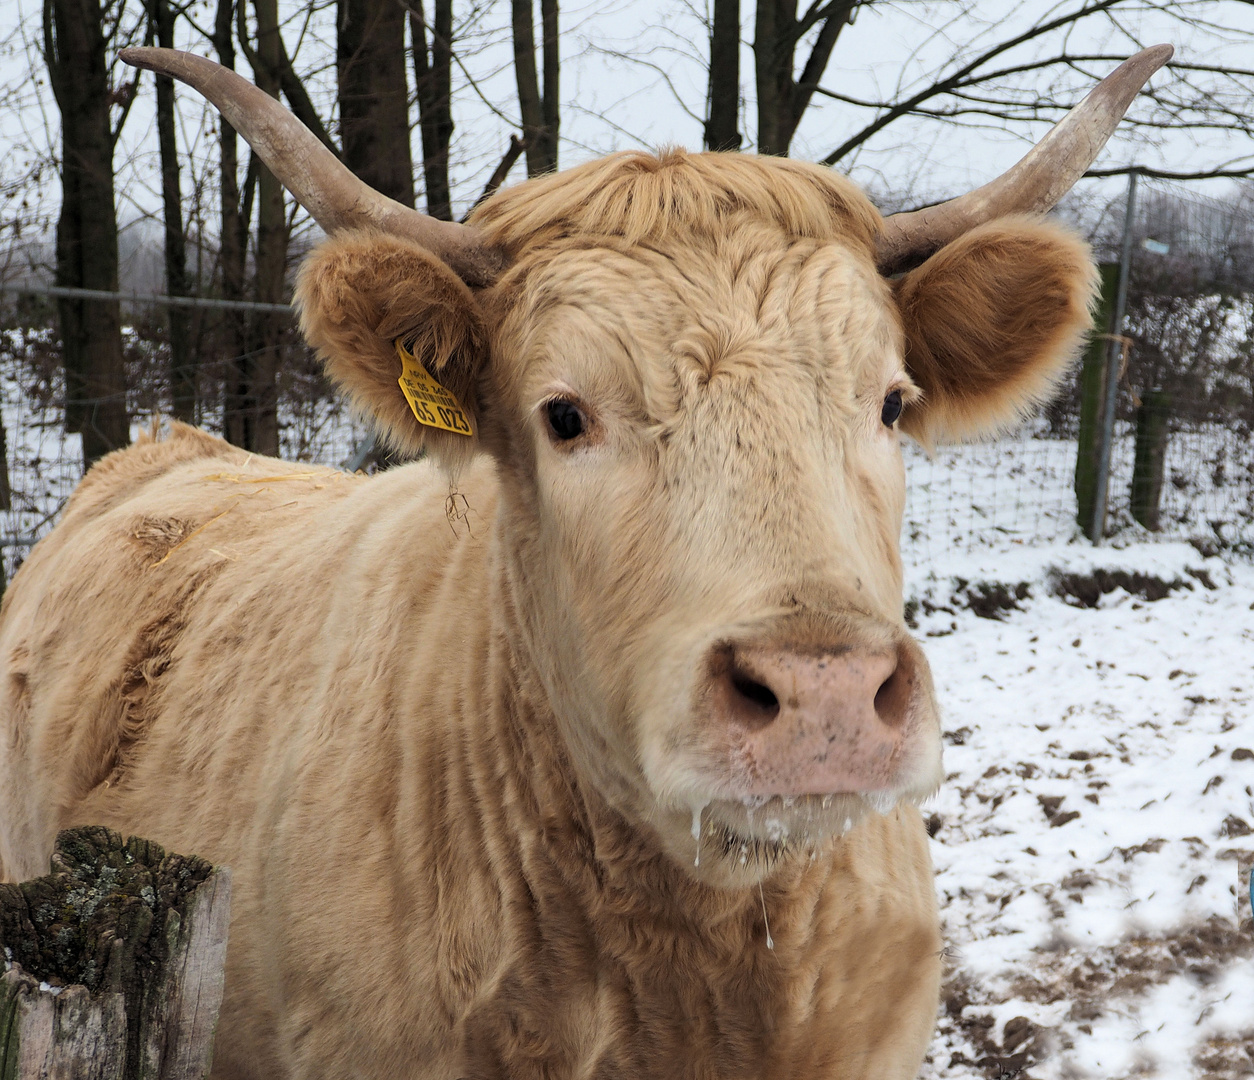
[1098, 802]
[1099, 796]
[1018, 490]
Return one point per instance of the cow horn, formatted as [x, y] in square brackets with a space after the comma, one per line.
[1035, 184]
[317, 179]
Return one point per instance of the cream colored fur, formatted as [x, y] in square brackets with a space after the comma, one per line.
[447, 733]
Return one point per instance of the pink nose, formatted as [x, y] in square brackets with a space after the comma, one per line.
[815, 723]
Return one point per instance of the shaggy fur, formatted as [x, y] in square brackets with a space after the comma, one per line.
[357, 296]
[1006, 306]
[456, 744]
[643, 199]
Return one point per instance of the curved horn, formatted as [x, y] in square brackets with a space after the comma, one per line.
[317, 179]
[1036, 183]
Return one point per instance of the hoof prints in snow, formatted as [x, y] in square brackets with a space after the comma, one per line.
[1089, 838]
[1080, 992]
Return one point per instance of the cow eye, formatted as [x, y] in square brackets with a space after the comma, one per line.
[892, 408]
[565, 419]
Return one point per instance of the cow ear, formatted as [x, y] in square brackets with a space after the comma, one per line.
[992, 321]
[358, 293]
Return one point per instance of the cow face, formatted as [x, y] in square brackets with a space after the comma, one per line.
[694, 383]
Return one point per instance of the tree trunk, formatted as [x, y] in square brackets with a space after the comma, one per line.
[261, 419]
[87, 235]
[772, 69]
[552, 87]
[183, 379]
[6, 491]
[433, 80]
[374, 95]
[234, 244]
[783, 99]
[117, 963]
[722, 127]
[540, 114]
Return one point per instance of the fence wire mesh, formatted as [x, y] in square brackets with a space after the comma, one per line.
[42, 462]
[1190, 319]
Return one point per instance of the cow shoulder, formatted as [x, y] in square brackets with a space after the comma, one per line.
[117, 477]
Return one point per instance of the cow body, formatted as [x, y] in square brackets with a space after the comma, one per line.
[422, 887]
[591, 747]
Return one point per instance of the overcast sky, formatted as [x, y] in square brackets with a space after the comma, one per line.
[633, 76]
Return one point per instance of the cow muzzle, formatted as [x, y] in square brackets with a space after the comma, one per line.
[853, 715]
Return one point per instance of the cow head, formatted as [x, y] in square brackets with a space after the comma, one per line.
[692, 372]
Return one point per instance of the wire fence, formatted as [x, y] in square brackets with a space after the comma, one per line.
[1014, 491]
[1019, 490]
[42, 462]
[1190, 320]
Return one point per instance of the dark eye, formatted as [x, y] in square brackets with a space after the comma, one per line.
[892, 408]
[565, 420]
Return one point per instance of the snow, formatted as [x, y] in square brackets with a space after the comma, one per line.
[1017, 490]
[1087, 832]
[1096, 707]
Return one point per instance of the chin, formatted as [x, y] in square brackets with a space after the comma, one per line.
[773, 825]
[742, 840]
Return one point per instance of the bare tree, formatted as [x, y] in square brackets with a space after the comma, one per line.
[182, 369]
[260, 413]
[1037, 72]
[235, 214]
[433, 80]
[1015, 64]
[783, 97]
[374, 95]
[78, 35]
[722, 128]
[282, 72]
[540, 112]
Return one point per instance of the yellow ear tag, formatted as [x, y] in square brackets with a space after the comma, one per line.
[432, 404]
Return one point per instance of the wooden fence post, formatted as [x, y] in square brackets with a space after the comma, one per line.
[1092, 400]
[1151, 456]
[113, 964]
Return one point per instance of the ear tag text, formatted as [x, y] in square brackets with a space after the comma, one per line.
[432, 404]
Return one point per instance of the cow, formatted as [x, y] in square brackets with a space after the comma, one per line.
[590, 745]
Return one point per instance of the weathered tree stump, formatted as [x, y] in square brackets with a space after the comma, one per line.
[113, 963]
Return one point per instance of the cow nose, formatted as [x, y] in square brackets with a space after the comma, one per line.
[815, 721]
[759, 678]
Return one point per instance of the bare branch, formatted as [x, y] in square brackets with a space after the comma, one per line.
[1221, 173]
[957, 77]
[289, 81]
[837, 17]
[511, 156]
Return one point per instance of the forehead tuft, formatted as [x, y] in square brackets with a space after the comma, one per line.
[646, 198]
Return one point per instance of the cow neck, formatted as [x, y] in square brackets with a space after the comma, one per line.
[579, 852]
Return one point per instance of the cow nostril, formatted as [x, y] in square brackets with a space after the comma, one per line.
[892, 698]
[753, 691]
